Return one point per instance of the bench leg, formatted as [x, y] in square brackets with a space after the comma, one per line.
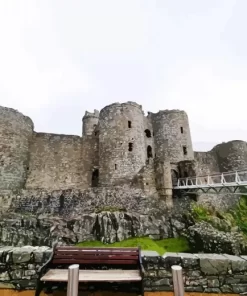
[142, 288]
[39, 287]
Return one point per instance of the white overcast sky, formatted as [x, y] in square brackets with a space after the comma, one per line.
[59, 58]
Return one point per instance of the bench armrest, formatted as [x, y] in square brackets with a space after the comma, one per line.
[43, 267]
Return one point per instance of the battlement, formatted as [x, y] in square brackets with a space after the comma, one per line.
[90, 114]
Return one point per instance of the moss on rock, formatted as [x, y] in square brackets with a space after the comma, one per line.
[145, 243]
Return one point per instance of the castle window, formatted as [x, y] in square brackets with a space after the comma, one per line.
[185, 150]
[129, 124]
[148, 133]
[130, 146]
[149, 152]
[115, 166]
[182, 130]
[95, 178]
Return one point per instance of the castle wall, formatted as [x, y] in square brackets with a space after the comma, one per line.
[55, 162]
[206, 163]
[231, 155]
[121, 128]
[15, 135]
[172, 136]
[90, 159]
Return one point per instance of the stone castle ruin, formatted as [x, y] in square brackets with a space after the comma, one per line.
[119, 146]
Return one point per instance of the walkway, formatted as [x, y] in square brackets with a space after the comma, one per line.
[232, 181]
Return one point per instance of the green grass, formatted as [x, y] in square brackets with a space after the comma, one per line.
[177, 245]
[147, 244]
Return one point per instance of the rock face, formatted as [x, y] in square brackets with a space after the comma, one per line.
[40, 218]
[203, 237]
[107, 227]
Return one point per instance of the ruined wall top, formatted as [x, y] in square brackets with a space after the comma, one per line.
[91, 114]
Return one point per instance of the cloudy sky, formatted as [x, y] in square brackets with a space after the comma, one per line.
[59, 58]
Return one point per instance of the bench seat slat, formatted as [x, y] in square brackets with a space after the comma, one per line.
[61, 275]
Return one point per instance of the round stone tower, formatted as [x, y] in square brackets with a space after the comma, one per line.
[231, 156]
[122, 151]
[15, 135]
[90, 122]
[172, 136]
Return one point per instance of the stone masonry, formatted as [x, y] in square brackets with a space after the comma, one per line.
[119, 146]
[208, 273]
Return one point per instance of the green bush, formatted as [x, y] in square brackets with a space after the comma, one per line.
[239, 214]
[199, 212]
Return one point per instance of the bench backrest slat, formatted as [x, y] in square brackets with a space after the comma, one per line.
[69, 255]
[96, 261]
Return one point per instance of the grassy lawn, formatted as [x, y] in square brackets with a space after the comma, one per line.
[147, 244]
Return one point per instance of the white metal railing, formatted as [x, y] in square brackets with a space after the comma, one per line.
[228, 179]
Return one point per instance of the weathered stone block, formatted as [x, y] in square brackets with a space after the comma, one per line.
[239, 288]
[42, 254]
[212, 290]
[189, 260]
[4, 276]
[232, 280]
[151, 273]
[22, 255]
[170, 259]
[237, 263]
[226, 289]
[213, 283]
[193, 289]
[213, 264]
[193, 273]
[161, 282]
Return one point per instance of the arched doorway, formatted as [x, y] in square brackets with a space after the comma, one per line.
[95, 178]
[174, 177]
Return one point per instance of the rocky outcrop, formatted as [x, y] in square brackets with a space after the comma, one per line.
[203, 237]
[107, 227]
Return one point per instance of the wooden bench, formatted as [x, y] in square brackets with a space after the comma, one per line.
[101, 268]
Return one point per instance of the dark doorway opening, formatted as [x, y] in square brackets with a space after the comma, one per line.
[130, 146]
[174, 177]
[129, 124]
[95, 178]
[148, 133]
[149, 152]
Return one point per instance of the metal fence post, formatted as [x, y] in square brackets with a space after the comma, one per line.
[178, 284]
[73, 280]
